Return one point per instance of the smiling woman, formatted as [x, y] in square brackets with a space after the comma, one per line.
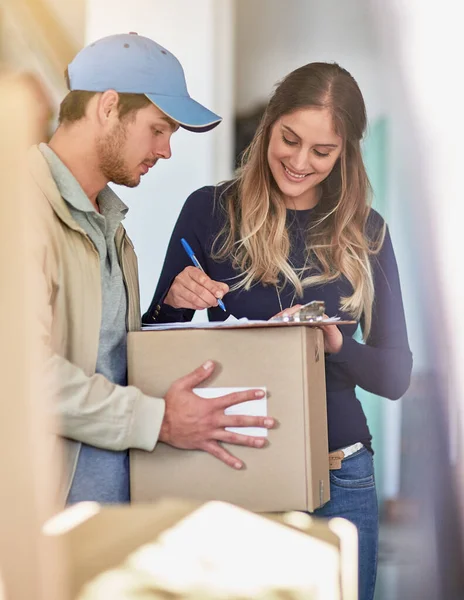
[306, 154]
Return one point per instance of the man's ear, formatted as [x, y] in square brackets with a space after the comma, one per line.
[108, 106]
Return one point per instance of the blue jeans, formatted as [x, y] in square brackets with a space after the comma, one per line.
[353, 497]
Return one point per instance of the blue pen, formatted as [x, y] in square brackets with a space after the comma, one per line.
[194, 259]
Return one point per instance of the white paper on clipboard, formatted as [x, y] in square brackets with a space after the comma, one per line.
[230, 321]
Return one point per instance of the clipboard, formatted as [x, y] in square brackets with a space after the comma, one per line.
[241, 325]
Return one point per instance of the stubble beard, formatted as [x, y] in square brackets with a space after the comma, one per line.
[111, 162]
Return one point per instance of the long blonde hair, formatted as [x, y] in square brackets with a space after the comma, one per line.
[255, 234]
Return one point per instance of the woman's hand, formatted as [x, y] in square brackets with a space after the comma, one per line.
[333, 338]
[287, 312]
[192, 288]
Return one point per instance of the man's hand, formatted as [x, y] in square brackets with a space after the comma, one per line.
[195, 423]
[194, 289]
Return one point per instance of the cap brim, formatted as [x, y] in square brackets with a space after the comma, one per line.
[189, 113]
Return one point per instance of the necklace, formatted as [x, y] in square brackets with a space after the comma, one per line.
[280, 301]
[294, 294]
[301, 234]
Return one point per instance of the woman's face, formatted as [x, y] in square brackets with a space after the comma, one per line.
[303, 149]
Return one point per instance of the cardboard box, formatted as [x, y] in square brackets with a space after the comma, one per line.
[292, 472]
[98, 539]
[109, 534]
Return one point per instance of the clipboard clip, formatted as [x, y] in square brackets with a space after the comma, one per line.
[312, 312]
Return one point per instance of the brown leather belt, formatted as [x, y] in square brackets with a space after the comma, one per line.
[336, 457]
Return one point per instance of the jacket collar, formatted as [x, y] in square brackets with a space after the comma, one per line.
[42, 175]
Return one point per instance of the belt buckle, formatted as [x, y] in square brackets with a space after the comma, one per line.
[335, 459]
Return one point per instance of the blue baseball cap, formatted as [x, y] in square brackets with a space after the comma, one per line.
[131, 63]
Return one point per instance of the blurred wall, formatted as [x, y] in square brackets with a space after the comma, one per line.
[275, 37]
[200, 35]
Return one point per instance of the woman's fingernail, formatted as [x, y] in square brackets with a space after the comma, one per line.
[208, 365]
[268, 422]
[259, 394]
[238, 465]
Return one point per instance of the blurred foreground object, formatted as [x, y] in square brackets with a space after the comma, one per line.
[29, 563]
[43, 106]
[42, 36]
[428, 114]
[176, 549]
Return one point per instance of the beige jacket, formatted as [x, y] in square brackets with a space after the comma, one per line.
[90, 409]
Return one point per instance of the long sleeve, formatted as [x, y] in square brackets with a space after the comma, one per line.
[88, 408]
[193, 224]
[383, 364]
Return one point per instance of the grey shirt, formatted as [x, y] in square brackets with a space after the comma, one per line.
[101, 475]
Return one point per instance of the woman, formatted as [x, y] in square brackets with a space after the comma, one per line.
[295, 226]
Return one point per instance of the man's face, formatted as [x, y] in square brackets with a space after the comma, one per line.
[133, 145]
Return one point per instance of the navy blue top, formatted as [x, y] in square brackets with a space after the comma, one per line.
[381, 366]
